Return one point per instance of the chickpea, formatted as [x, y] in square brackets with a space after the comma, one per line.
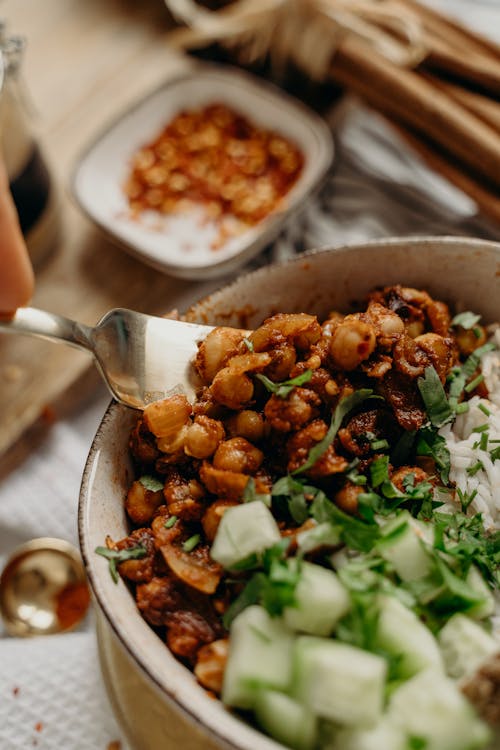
[248, 424]
[141, 503]
[210, 664]
[352, 342]
[203, 437]
[294, 411]
[215, 350]
[469, 339]
[347, 497]
[231, 389]
[400, 474]
[283, 359]
[212, 517]
[238, 455]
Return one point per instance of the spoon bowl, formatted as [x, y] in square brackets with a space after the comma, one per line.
[43, 589]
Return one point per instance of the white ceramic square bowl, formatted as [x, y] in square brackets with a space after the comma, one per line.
[180, 245]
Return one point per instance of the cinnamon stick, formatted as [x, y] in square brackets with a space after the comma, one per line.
[487, 201]
[483, 107]
[416, 102]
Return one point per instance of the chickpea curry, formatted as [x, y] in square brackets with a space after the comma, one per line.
[310, 444]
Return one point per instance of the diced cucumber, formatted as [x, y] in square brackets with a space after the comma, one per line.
[430, 706]
[286, 720]
[322, 535]
[339, 682]
[260, 655]
[401, 633]
[321, 600]
[383, 736]
[403, 545]
[465, 645]
[485, 608]
[244, 530]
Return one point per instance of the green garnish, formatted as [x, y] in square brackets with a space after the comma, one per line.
[429, 443]
[170, 522]
[482, 407]
[473, 384]
[117, 556]
[283, 389]
[472, 470]
[248, 344]
[273, 587]
[379, 471]
[151, 483]
[378, 445]
[345, 405]
[191, 543]
[466, 320]
[293, 491]
[434, 397]
[250, 494]
[353, 532]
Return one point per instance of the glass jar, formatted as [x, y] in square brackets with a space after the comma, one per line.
[29, 177]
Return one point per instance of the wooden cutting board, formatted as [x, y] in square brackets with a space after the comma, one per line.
[86, 62]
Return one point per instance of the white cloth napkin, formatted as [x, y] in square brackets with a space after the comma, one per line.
[51, 692]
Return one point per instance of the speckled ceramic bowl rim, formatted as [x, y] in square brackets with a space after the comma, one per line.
[235, 724]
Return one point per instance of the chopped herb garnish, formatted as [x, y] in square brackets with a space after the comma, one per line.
[344, 407]
[250, 494]
[482, 407]
[466, 320]
[465, 499]
[273, 587]
[283, 389]
[151, 483]
[170, 522]
[118, 556]
[434, 397]
[429, 443]
[481, 428]
[191, 543]
[473, 360]
[353, 532]
[472, 470]
[379, 470]
[462, 408]
[474, 384]
[248, 344]
[379, 445]
[483, 443]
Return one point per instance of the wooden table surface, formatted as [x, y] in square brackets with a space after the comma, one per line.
[86, 62]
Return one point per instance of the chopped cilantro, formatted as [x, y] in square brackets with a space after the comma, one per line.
[353, 532]
[190, 544]
[117, 556]
[283, 389]
[434, 397]
[250, 494]
[151, 483]
[429, 443]
[345, 405]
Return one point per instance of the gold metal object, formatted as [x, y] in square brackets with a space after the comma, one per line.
[43, 588]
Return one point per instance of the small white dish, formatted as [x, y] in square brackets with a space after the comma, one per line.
[180, 245]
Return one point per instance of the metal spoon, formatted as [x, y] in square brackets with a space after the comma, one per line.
[142, 358]
[43, 589]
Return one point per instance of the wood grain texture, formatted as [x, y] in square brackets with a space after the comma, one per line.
[85, 63]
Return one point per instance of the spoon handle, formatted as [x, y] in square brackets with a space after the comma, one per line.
[28, 320]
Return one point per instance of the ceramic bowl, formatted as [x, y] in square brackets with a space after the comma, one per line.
[157, 699]
[182, 244]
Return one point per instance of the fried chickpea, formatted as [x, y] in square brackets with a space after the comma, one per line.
[231, 389]
[352, 342]
[203, 437]
[239, 455]
[210, 664]
[212, 517]
[141, 503]
[247, 424]
[439, 350]
[347, 497]
[469, 339]
[215, 350]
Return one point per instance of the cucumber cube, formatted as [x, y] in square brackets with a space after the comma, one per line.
[244, 530]
[403, 545]
[321, 600]
[339, 682]
[465, 645]
[260, 655]
[487, 607]
[401, 633]
[431, 707]
[383, 736]
[286, 720]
